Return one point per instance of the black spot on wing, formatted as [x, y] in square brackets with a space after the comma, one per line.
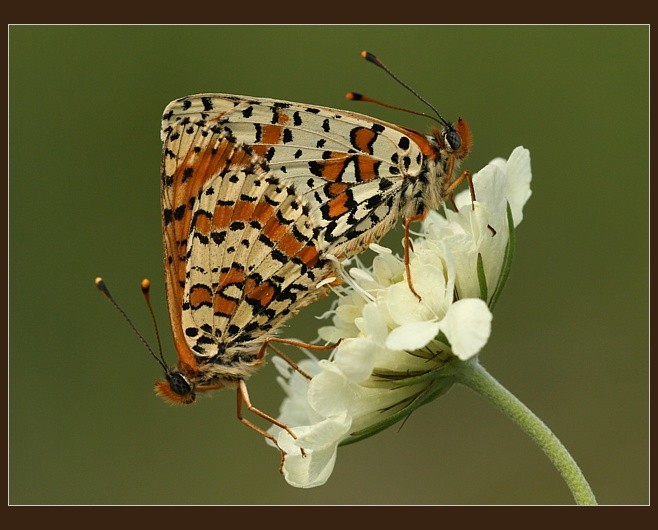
[207, 104]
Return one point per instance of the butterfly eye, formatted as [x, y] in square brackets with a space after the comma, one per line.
[179, 384]
[453, 139]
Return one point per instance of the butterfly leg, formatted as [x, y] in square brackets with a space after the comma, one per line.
[408, 248]
[243, 394]
[243, 397]
[268, 344]
[451, 191]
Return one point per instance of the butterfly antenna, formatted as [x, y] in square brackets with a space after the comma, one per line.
[146, 291]
[105, 291]
[374, 60]
[355, 96]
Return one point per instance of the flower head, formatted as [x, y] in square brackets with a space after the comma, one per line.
[396, 351]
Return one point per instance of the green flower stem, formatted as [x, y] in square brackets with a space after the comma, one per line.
[473, 375]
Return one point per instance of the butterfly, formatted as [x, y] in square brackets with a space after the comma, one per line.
[259, 198]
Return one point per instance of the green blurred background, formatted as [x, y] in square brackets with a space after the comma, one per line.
[570, 333]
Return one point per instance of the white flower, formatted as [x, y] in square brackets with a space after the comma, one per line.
[396, 351]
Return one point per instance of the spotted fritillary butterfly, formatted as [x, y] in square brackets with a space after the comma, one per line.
[257, 196]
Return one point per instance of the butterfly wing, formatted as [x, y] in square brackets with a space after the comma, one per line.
[354, 172]
[239, 246]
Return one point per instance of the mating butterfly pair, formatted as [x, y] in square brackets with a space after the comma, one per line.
[257, 196]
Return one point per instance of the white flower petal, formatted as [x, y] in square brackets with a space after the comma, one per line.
[412, 336]
[320, 442]
[355, 358]
[429, 281]
[379, 249]
[330, 334]
[490, 185]
[295, 408]
[519, 175]
[427, 276]
[467, 326]
[374, 323]
[330, 393]
[500, 162]
[360, 274]
[386, 267]
[517, 186]
[403, 306]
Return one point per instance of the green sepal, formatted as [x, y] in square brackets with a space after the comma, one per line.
[482, 279]
[440, 381]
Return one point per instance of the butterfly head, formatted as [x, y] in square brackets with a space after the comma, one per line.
[176, 388]
[456, 138]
